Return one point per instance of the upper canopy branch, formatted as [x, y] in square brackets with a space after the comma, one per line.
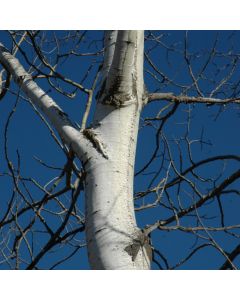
[46, 104]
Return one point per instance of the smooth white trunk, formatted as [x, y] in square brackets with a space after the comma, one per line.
[110, 218]
[111, 225]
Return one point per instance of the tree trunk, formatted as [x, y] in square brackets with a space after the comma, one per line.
[106, 149]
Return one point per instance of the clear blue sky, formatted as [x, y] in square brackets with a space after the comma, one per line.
[30, 137]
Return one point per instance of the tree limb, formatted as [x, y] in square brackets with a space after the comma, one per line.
[187, 99]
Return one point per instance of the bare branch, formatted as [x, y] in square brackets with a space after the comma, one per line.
[186, 99]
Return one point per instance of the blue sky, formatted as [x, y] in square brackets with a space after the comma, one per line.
[31, 137]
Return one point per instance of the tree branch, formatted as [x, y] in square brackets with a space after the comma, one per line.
[187, 99]
[46, 104]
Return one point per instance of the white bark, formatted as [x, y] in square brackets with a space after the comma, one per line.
[111, 224]
[69, 134]
[109, 42]
[107, 150]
